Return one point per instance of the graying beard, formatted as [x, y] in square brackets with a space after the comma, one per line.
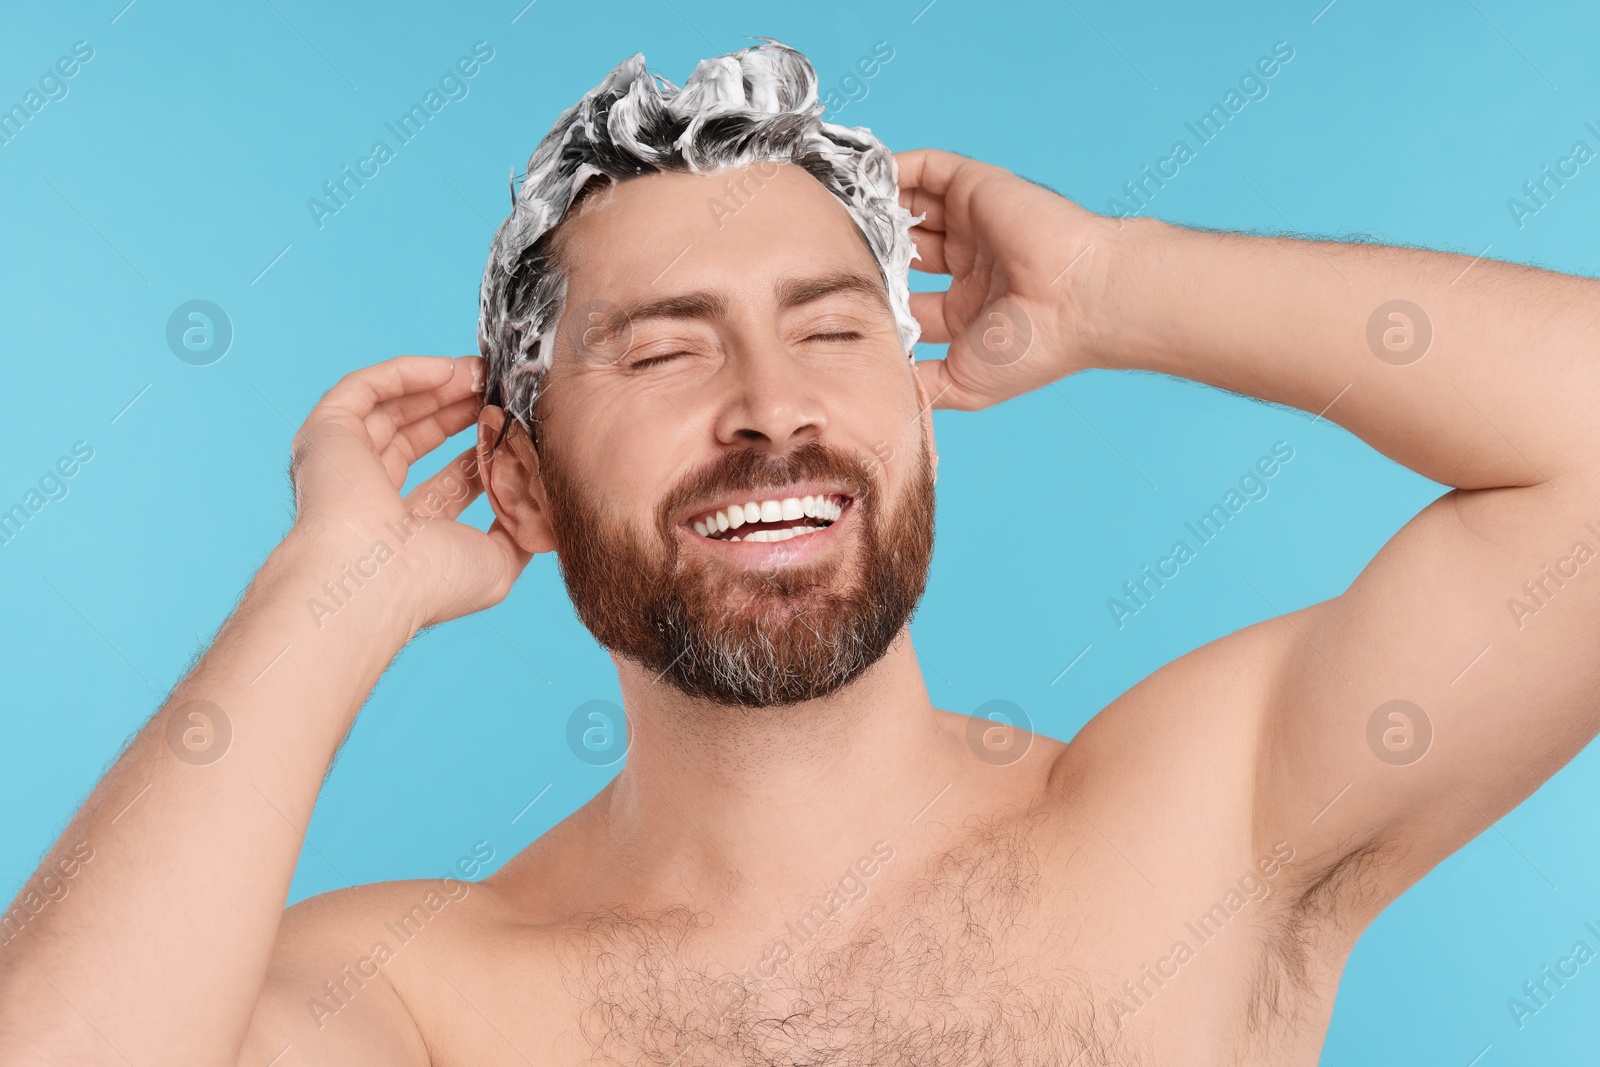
[754, 674]
[939, 984]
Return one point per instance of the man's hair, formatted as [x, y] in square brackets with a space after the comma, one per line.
[751, 106]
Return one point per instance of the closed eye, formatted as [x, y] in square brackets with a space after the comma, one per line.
[655, 359]
[835, 335]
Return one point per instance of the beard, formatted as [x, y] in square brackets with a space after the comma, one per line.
[747, 636]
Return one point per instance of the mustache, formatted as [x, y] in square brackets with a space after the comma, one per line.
[750, 470]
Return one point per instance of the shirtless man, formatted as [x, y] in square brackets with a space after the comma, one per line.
[803, 861]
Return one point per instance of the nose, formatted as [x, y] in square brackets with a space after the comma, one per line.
[774, 400]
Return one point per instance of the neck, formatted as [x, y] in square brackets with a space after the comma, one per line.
[767, 802]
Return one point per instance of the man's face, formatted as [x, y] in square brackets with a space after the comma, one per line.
[727, 347]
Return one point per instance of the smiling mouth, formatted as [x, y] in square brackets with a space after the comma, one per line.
[775, 519]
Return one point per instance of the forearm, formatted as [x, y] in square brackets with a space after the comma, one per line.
[1505, 394]
[158, 950]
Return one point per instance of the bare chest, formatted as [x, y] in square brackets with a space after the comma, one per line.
[958, 970]
[994, 953]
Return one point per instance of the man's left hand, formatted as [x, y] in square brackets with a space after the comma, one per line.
[1025, 265]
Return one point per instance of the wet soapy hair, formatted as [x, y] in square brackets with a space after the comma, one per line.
[748, 107]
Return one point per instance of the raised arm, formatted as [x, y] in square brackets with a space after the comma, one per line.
[1479, 614]
[180, 859]
[1459, 670]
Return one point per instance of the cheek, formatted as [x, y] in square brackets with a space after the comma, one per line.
[882, 414]
[638, 447]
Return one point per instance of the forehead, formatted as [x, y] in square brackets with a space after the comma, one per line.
[652, 235]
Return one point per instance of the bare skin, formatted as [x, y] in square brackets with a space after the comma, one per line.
[1020, 908]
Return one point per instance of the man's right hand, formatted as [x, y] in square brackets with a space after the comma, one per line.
[159, 948]
[351, 458]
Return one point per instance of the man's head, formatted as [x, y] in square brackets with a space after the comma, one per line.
[707, 330]
[750, 107]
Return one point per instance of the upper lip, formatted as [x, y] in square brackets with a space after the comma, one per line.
[745, 496]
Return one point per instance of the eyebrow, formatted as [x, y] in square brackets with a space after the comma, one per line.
[791, 292]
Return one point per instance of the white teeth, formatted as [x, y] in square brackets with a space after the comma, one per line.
[816, 506]
[734, 538]
[779, 535]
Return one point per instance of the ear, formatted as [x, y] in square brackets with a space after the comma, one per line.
[512, 483]
[925, 406]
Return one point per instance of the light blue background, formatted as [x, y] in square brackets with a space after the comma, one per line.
[178, 168]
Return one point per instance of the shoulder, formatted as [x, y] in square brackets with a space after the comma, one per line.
[1204, 710]
[378, 973]
[330, 990]
[1168, 772]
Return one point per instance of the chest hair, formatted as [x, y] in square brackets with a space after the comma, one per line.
[954, 974]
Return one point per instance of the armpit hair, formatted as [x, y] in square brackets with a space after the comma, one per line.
[1316, 920]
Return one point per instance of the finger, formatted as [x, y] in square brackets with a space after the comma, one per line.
[930, 252]
[515, 554]
[361, 391]
[389, 417]
[426, 434]
[335, 432]
[934, 374]
[447, 494]
[922, 202]
[333, 445]
[932, 169]
[493, 585]
[327, 455]
[928, 310]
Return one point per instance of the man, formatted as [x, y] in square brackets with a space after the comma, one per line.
[803, 861]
